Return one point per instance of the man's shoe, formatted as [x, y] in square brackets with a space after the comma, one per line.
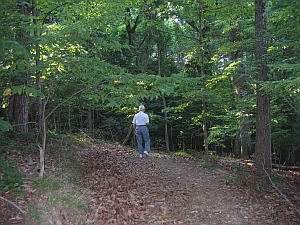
[146, 153]
[141, 156]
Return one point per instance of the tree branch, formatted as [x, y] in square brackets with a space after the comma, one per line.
[17, 207]
[92, 139]
[128, 135]
[192, 24]
[136, 23]
[280, 192]
[63, 102]
[48, 13]
[291, 105]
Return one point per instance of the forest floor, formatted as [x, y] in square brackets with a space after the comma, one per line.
[106, 184]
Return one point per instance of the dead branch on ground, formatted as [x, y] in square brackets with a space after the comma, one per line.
[280, 192]
[17, 207]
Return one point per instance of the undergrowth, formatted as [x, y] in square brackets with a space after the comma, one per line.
[46, 184]
[33, 213]
[59, 188]
[249, 177]
[70, 199]
[11, 179]
[208, 164]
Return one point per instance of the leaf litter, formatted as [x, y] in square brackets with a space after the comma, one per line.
[120, 188]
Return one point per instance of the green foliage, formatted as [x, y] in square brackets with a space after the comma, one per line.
[190, 153]
[239, 176]
[5, 126]
[51, 188]
[182, 153]
[46, 184]
[85, 48]
[11, 179]
[33, 213]
[70, 199]
[248, 177]
[208, 164]
[32, 92]
[6, 144]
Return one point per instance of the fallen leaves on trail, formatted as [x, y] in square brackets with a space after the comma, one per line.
[120, 188]
[129, 190]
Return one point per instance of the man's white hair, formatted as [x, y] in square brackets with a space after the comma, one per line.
[141, 108]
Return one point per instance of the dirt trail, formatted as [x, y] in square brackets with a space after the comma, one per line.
[162, 189]
[122, 189]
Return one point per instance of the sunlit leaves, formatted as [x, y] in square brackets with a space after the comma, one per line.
[288, 87]
[32, 92]
[131, 89]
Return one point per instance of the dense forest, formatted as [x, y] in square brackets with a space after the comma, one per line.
[217, 77]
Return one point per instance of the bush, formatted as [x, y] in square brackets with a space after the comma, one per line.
[10, 178]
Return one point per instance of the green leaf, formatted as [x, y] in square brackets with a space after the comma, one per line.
[32, 92]
[18, 89]
[5, 126]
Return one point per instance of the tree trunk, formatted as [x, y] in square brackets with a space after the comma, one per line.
[148, 40]
[19, 102]
[69, 118]
[89, 121]
[263, 129]
[131, 30]
[41, 114]
[200, 31]
[147, 54]
[163, 100]
[18, 112]
[166, 123]
[204, 123]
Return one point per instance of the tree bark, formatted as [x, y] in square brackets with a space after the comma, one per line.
[204, 123]
[89, 121]
[18, 103]
[148, 40]
[41, 111]
[131, 30]
[200, 30]
[147, 54]
[163, 100]
[263, 129]
[18, 112]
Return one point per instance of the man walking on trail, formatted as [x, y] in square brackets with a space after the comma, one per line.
[139, 123]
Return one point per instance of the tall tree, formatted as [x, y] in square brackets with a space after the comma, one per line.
[18, 102]
[159, 42]
[201, 28]
[263, 128]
